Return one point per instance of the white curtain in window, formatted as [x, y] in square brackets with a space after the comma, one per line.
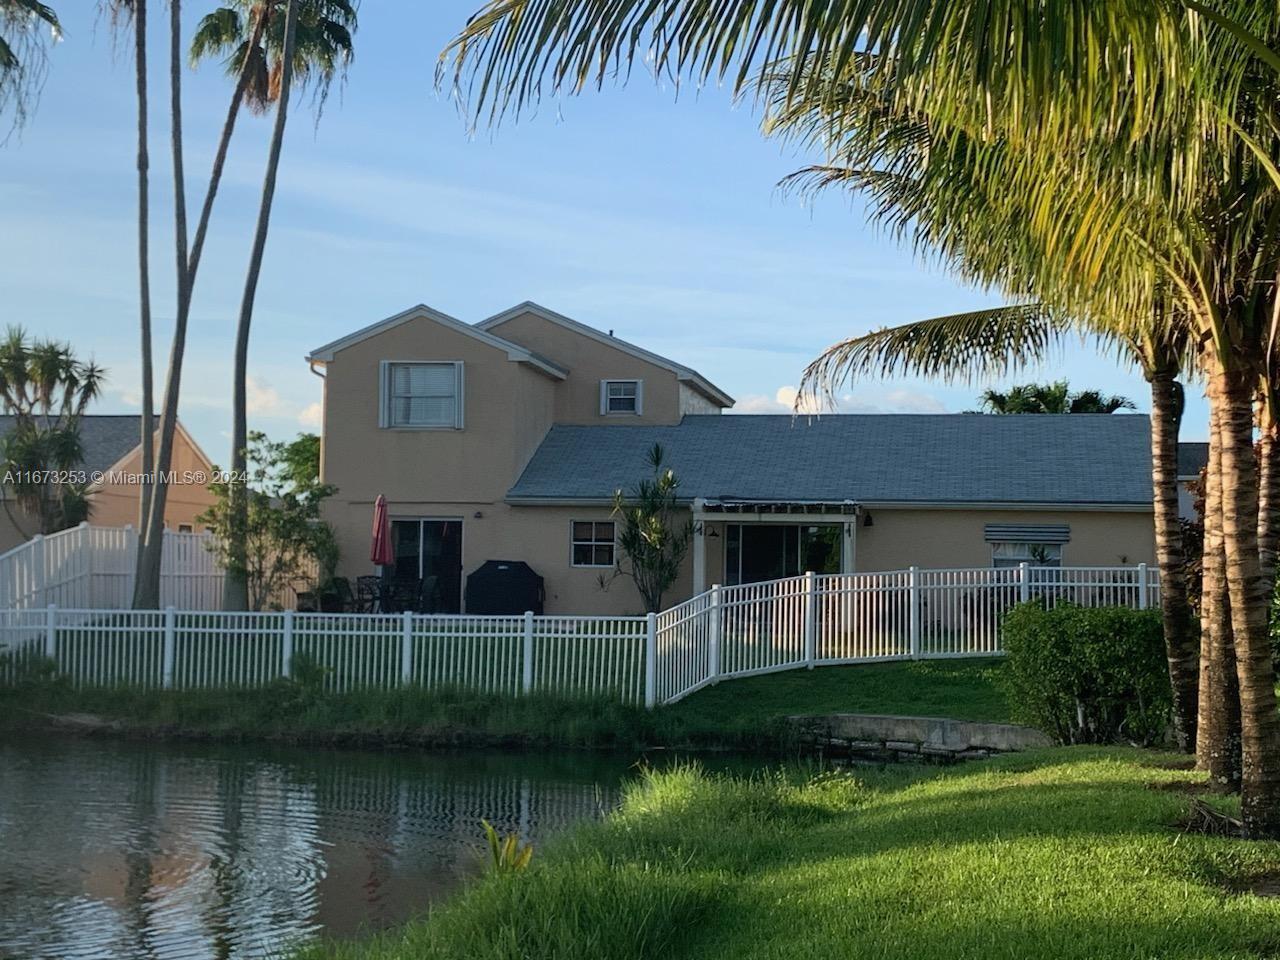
[1036, 554]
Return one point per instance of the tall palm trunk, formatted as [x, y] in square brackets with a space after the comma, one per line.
[1259, 722]
[1180, 643]
[146, 591]
[235, 589]
[144, 268]
[1218, 731]
[1268, 496]
[147, 583]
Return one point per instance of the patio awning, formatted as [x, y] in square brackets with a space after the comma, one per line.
[734, 506]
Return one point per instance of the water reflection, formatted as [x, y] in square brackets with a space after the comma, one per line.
[141, 851]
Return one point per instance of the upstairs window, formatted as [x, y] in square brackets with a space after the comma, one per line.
[593, 543]
[621, 397]
[422, 395]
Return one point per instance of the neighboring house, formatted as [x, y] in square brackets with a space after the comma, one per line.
[1192, 458]
[506, 440]
[111, 448]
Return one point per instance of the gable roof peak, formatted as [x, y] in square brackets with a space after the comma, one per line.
[683, 373]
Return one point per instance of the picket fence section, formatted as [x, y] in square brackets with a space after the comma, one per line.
[738, 631]
[93, 568]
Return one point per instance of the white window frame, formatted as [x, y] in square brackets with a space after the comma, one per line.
[384, 395]
[1060, 547]
[604, 398]
[593, 543]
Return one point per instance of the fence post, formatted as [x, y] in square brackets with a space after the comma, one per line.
[1144, 598]
[40, 586]
[286, 645]
[713, 634]
[406, 648]
[810, 618]
[1024, 582]
[526, 654]
[913, 581]
[51, 631]
[170, 644]
[651, 661]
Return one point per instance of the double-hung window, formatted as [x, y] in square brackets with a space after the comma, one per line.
[593, 543]
[621, 397]
[422, 395]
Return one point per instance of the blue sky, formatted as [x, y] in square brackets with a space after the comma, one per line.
[635, 210]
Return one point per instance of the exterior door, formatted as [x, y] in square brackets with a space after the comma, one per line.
[772, 551]
[430, 550]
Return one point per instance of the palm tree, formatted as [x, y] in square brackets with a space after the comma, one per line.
[257, 30]
[1171, 167]
[1051, 398]
[136, 10]
[26, 26]
[310, 46]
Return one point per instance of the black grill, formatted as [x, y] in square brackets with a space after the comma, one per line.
[504, 587]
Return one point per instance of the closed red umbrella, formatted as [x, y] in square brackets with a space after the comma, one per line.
[381, 553]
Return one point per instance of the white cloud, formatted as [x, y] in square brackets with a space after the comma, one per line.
[311, 415]
[901, 400]
[261, 397]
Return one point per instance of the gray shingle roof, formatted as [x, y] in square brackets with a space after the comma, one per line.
[1192, 458]
[105, 437]
[957, 458]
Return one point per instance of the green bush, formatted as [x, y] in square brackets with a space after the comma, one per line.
[1088, 675]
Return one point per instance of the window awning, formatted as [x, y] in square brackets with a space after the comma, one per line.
[1028, 533]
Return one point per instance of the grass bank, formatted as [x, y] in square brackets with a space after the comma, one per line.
[1068, 854]
[741, 714]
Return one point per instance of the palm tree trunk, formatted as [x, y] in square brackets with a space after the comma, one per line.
[144, 269]
[220, 155]
[1218, 731]
[147, 583]
[1268, 497]
[235, 584]
[1259, 722]
[1180, 644]
[146, 591]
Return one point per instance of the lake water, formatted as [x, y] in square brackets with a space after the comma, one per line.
[132, 850]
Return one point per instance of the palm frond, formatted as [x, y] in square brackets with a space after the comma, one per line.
[963, 346]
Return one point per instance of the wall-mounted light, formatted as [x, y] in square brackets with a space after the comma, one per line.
[867, 521]
[713, 535]
[478, 515]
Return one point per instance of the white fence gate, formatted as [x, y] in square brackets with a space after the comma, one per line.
[727, 632]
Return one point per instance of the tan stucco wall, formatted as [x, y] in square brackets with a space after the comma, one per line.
[507, 410]
[540, 536]
[588, 362]
[115, 504]
[954, 538]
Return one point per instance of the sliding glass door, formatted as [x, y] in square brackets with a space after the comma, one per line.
[430, 550]
[771, 551]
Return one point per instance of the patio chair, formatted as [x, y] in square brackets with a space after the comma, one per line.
[428, 600]
[336, 597]
[400, 594]
[368, 594]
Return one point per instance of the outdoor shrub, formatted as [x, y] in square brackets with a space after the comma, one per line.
[1088, 675]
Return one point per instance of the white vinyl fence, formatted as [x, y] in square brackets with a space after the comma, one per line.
[737, 631]
[88, 567]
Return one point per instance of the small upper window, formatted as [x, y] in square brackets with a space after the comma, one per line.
[422, 395]
[1035, 554]
[621, 396]
[185, 528]
[593, 544]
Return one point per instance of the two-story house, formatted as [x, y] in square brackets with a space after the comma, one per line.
[506, 439]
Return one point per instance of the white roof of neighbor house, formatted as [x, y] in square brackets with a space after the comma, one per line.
[422, 312]
[1079, 460]
[684, 374]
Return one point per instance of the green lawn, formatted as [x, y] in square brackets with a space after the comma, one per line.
[960, 689]
[1068, 854]
[740, 714]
